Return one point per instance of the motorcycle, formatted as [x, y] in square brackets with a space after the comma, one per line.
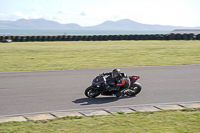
[98, 87]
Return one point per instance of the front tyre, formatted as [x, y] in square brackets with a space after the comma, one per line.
[90, 92]
[134, 89]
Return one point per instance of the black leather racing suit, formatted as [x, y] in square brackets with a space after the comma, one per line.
[122, 82]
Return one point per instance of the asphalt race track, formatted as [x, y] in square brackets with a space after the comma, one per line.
[43, 91]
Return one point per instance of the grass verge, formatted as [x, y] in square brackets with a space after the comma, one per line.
[176, 121]
[36, 56]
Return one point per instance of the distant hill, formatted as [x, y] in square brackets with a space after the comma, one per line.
[36, 24]
[124, 24]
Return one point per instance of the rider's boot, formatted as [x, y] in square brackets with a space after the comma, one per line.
[120, 93]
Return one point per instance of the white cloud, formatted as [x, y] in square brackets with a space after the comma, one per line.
[61, 18]
[82, 13]
[14, 16]
[3, 16]
[63, 10]
[38, 8]
[18, 14]
[48, 16]
[34, 16]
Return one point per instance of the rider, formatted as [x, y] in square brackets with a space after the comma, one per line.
[121, 82]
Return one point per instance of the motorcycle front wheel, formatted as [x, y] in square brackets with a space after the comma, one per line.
[90, 92]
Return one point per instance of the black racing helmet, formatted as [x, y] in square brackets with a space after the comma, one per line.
[116, 73]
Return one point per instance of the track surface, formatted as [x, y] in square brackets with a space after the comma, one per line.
[43, 91]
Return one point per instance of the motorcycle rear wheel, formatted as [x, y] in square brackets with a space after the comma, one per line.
[135, 88]
[90, 92]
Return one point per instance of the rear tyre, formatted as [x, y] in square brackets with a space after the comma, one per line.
[90, 92]
[134, 89]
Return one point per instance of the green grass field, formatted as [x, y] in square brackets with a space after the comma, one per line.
[182, 121]
[35, 56]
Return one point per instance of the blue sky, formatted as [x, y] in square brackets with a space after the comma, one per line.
[93, 12]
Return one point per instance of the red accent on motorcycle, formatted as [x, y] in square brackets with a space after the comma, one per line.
[99, 82]
[136, 77]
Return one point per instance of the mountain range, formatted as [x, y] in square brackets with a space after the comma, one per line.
[124, 24]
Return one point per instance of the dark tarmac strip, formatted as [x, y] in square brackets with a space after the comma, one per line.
[45, 91]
